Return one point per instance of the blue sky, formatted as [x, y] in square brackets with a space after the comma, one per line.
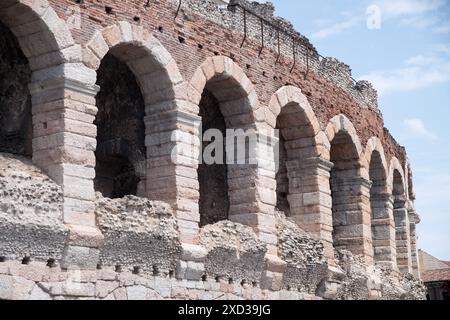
[408, 60]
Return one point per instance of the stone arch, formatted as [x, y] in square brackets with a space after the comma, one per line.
[291, 114]
[287, 96]
[155, 69]
[381, 204]
[48, 46]
[44, 38]
[220, 84]
[158, 78]
[341, 124]
[375, 144]
[303, 171]
[349, 190]
[395, 165]
[232, 88]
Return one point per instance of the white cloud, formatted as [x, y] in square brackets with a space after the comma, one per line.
[418, 72]
[336, 28]
[414, 13]
[408, 79]
[443, 28]
[443, 48]
[419, 22]
[417, 128]
[422, 60]
[397, 8]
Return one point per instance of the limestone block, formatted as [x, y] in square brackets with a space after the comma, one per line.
[38, 294]
[121, 294]
[6, 286]
[79, 289]
[105, 288]
[15, 288]
[81, 257]
[84, 236]
[272, 280]
[126, 31]
[112, 35]
[137, 293]
[193, 253]
[70, 54]
[74, 71]
[78, 188]
[329, 289]
[275, 264]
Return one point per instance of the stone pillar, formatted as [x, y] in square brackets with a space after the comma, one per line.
[172, 141]
[414, 219]
[310, 199]
[63, 146]
[351, 216]
[402, 235]
[252, 190]
[383, 230]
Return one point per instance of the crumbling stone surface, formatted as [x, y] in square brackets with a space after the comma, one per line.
[362, 282]
[30, 211]
[38, 282]
[306, 263]
[139, 233]
[234, 252]
[408, 287]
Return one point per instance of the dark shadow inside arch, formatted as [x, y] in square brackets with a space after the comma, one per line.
[213, 178]
[121, 151]
[16, 130]
[282, 176]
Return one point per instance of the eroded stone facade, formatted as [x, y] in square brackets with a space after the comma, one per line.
[122, 87]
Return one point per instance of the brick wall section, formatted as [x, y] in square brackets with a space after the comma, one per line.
[326, 98]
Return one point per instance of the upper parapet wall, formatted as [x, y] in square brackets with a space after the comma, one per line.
[258, 22]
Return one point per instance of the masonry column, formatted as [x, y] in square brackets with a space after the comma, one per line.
[403, 240]
[310, 199]
[252, 190]
[383, 230]
[351, 216]
[414, 219]
[63, 146]
[173, 145]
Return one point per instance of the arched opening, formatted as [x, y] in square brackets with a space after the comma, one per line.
[348, 223]
[402, 227]
[226, 189]
[296, 145]
[214, 202]
[16, 130]
[381, 208]
[121, 152]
